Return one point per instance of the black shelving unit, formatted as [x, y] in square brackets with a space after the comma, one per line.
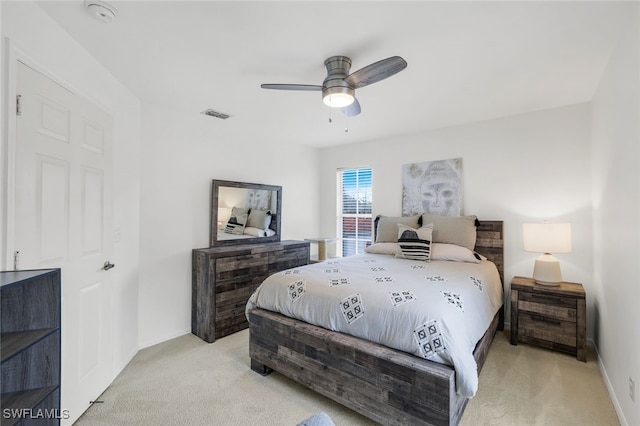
[30, 347]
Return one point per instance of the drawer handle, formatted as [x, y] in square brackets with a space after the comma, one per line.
[540, 318]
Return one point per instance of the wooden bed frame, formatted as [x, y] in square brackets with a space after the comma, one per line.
[386, 385]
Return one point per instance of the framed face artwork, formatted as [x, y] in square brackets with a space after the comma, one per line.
[259, 199]
[433, 187]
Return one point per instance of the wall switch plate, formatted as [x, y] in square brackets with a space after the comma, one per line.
[632, 389]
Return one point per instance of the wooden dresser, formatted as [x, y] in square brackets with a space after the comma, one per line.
[553, 317]
[223, 279]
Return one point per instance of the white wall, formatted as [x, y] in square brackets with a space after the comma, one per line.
[518, 169]
[616, 206]
[183, 152]
[34, 37]
[521, 168]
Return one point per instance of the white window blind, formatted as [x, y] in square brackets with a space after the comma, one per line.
[354, 210]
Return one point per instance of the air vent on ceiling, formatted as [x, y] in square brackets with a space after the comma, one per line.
[216, 114]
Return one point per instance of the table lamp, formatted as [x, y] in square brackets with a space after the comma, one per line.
[547, 238]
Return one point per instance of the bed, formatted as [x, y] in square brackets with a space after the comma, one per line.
[388, 385]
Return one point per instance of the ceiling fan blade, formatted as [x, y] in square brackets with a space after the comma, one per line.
[375, 72]
[304, 87]
[351, 110]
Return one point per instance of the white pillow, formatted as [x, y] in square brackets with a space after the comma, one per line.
[452, 252]
[384, 248]
[260, 219]
[415, 244]
[254, 232]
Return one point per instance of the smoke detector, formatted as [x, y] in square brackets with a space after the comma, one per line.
[101, 10]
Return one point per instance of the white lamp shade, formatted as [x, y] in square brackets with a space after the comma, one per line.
[547, 237]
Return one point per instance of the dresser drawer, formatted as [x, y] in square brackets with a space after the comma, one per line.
[531, 325]
[286, 259]
[241, 267]
[554, 307]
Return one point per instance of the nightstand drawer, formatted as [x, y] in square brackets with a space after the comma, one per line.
[543, 328]
[555, 307]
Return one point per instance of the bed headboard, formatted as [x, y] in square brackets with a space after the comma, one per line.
[489, 241]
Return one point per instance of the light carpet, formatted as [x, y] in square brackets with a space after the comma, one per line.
[186, 381]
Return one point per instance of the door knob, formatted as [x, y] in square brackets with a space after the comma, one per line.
[108, 265]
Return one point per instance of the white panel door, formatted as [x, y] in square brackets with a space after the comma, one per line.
[63, 218]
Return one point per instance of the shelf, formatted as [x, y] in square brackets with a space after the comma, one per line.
[28, 399]
[14, 342]
[30, 347]
[17, 277]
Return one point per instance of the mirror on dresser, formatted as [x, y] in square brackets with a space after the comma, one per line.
[244, 213]
[225, 274]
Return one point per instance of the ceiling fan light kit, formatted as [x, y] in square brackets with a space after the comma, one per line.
[338, 97]
[336, 92]
[338, 88]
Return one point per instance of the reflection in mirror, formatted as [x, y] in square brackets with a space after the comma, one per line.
[244, 213]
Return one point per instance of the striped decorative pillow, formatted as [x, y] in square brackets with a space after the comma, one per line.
[415, 244]
[236, 224]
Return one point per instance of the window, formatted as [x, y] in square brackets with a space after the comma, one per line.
[354, 210]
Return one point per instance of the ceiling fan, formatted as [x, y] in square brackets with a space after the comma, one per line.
[338, 88]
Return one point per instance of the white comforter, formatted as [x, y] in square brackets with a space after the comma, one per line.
[437, 310]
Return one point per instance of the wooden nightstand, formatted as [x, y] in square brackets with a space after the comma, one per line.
[322, 246]
[551, 317]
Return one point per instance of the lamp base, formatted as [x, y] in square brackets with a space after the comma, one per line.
[546, 271]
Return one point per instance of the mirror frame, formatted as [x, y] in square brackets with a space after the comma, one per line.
[216, 184]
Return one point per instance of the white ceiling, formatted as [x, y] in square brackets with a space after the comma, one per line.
[468, 61]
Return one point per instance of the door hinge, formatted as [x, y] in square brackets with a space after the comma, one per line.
[18, 105]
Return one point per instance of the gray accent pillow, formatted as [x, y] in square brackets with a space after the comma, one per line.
[239, 211]
[458, 230]
[387, 231]
[260, 219]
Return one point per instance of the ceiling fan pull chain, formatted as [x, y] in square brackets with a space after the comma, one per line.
[346, 124]
[330, 120]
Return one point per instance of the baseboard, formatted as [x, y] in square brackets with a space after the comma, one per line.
[118, 369]
[164, 338]
[612, 394]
